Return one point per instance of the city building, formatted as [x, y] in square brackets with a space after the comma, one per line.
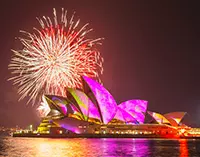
[93, 110]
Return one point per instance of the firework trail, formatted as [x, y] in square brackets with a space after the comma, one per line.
[55, 57]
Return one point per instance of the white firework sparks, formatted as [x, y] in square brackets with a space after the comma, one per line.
[44, 108]
[55, 57]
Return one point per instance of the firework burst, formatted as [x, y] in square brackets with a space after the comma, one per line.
[44, 108]
[55, 57]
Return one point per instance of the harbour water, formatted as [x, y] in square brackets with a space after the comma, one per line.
[98, 147]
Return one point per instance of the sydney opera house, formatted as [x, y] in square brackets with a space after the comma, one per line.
[93, 110]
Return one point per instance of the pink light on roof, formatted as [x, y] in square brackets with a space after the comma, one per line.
[136, 108]
[106, 102]
[125, 116]
[61, 103]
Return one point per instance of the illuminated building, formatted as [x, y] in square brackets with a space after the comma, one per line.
[89, 110]
[93, 110]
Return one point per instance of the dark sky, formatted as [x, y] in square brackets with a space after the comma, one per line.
[151, 51]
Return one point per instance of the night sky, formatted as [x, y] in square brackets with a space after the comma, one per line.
[151, 51]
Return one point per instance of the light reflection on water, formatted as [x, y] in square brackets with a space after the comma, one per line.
[111, 147]
[183, 148]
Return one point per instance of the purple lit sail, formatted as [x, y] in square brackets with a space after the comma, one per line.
[76, 111]
[93, 111]
[119, 115]
[125, 116]
[136, 108]
[106, 102]
[57, 103]
[61, 103]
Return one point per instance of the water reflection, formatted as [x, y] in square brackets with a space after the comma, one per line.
[165, 147]
[141, 148]
[65, 147]
[183, 148]
[125, 147]
[76, 147]
[39, 147]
